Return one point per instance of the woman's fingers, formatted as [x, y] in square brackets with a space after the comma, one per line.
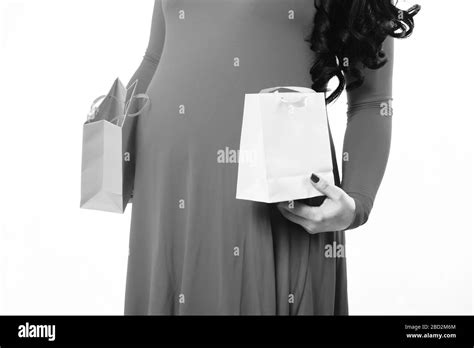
[303, 222]
[329, 216]
[310, 218]
[332, 191]
[313, 214]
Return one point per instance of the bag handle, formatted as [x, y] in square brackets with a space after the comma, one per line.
[120, 120]
[285, 100]
[294, 88]
[147, 103]
[94, 108]
[129, 101]
[95, 104]
[298, 102]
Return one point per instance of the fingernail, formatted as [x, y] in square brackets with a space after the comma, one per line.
[315, 178]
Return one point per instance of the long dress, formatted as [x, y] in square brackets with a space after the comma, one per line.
[194, 248]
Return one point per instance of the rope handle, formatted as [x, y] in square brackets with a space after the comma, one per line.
[127, 103]
[95, 108]
[120, 120]
[96, 100]
[95, 104]
[285, 100]
[294, 88]
[147, 103]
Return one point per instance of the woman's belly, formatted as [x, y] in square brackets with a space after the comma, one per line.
[215, 51]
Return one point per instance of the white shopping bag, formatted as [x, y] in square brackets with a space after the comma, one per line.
[108, 150]
[284, 139]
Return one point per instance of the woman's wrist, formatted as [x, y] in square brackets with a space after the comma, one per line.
[363, 206]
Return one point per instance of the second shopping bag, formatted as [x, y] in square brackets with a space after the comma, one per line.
[284, 139]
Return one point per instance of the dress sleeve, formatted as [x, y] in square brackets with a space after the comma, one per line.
[152, 55]
[368, 135]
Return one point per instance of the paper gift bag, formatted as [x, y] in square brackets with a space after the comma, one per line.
[284, 139]
[108, 150]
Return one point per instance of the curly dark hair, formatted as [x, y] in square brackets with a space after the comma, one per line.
[348, 36]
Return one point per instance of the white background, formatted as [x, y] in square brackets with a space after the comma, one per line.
[414, 256]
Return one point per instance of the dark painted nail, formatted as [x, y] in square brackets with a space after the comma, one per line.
[315, 178]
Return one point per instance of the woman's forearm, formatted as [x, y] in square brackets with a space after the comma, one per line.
[144, 73]
[365, 154]
[368, 135]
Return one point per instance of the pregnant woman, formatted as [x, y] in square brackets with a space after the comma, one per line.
[195, 248]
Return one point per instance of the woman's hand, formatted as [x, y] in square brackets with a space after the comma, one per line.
[336, 213]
